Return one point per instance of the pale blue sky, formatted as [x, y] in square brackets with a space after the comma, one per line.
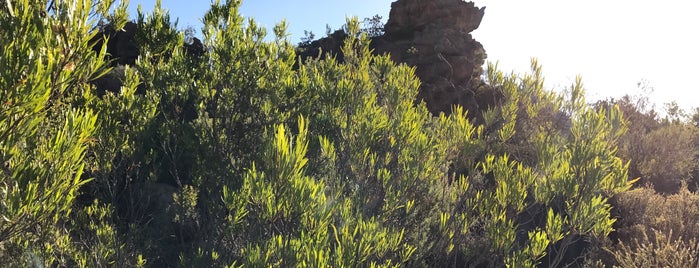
[300, 15]
[612, 44]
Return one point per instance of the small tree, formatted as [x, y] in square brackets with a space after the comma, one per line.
[46, 63]
[373, 26]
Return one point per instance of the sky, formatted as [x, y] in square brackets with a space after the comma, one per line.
[613, 45]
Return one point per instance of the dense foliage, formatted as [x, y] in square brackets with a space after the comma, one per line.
[244, 157]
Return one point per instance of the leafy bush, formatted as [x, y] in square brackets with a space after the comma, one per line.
[45, 128]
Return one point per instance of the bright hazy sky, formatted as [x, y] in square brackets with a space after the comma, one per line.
[612, 44]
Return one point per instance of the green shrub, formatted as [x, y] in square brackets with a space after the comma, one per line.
[244, 157]
[45, 128]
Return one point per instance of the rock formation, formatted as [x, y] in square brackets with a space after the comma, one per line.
[121, 45]
[121, 49]
[434, 36]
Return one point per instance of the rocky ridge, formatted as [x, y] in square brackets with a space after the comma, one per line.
[434, 36]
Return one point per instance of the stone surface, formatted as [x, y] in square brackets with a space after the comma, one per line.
[434, 36]
[413, 16]
[122, 49]
[121, 44]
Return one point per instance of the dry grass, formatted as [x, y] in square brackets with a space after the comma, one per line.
[657, 250]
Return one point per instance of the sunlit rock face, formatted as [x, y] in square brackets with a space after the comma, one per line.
[434, 36]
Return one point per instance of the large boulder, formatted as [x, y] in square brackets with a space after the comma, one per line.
[121, 49]
[435, 37]
[121, 45]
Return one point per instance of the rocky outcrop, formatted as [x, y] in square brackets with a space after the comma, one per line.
[121, 49]
[121, 45]
[331, 44]
[414, 16]
[434, 36]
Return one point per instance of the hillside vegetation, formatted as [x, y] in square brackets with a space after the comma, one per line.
[237, 154]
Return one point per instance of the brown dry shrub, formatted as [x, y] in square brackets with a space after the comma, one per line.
[657, 250]
[655, 230]
[677, 213]
[667, 156]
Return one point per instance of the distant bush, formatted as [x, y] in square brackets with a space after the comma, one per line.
[678, 212]
[667, 156]
[662, 153]
[657, 250]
